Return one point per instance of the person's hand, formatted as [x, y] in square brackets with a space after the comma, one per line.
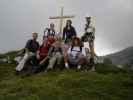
[38, 56]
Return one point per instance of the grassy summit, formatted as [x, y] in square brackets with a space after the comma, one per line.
[108, 83]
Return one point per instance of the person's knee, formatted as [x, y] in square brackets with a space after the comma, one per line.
[52, 60]
[60, 58]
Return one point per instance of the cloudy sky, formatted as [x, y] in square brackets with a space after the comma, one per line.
[113, 21]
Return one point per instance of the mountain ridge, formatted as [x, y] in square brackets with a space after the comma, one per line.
[124, 56]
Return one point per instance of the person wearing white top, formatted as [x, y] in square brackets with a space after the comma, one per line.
[89, 36]
[74, 51]
[76, 54]
[49, 31]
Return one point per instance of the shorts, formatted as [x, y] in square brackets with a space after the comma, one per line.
[75, 60]
[68, 40]
[88, 37]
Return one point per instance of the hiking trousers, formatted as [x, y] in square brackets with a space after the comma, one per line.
[56, 58]
[24, 60]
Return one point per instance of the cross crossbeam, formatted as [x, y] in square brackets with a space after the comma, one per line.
[61, 17]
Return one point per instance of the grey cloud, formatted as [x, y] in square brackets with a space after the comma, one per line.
[18, 18]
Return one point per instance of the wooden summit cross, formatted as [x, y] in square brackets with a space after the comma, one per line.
[61, 17]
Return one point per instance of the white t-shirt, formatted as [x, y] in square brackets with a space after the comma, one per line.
[76, 50]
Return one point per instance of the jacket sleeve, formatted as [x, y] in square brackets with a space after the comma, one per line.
[28, 44]
[74, 32]
[64, 33]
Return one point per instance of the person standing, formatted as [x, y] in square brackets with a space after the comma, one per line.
[89, 36]
[69, 32]
[49, 31]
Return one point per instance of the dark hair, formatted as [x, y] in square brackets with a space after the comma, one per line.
[52, 24]
[88, 17]
[69, 21]
[76, 39]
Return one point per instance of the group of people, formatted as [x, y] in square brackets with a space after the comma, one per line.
[63, 52]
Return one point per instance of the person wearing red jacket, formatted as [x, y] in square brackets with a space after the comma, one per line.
[42, 54]
[43, 50]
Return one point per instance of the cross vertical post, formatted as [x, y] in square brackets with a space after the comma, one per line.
[61, 20]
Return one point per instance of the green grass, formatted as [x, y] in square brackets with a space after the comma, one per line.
[67, 85]
[107, 83]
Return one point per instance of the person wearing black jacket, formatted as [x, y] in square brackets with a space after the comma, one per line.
[30, 51]
[69, 32]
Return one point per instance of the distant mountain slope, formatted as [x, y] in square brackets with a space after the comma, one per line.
[123, 57]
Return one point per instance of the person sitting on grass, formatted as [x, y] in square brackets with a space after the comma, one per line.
[44, 48]
[76, 55]
[42, 53]
[30, 50]
[55, 54]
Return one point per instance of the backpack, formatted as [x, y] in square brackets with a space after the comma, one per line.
[77, 51]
